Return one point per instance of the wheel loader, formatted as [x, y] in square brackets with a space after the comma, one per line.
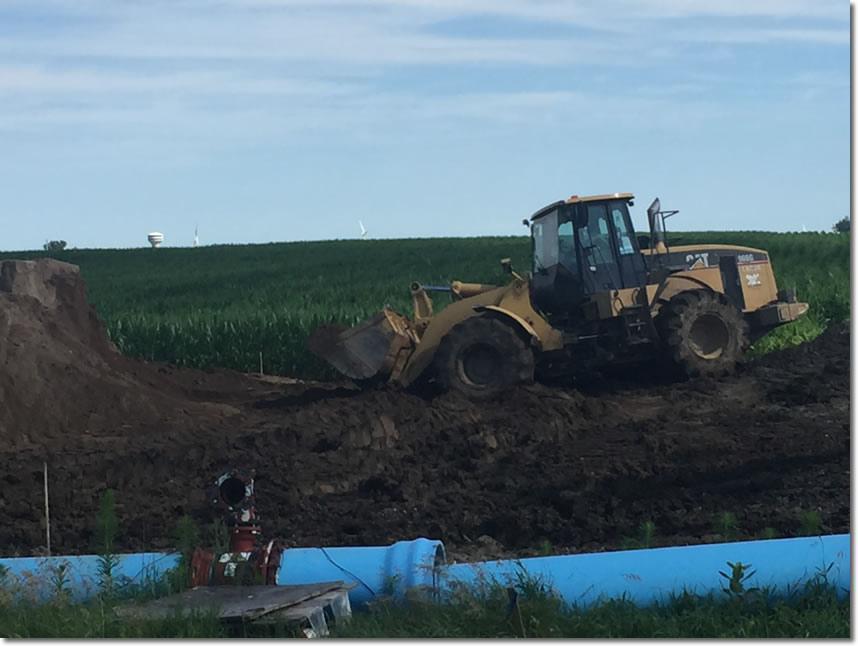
[594, 298]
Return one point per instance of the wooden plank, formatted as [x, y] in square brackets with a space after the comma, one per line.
[234, 601]
[304, 609]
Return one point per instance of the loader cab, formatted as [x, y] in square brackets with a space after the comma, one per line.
[582, 246]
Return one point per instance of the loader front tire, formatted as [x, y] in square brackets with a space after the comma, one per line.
[703, 334]
[481, 357]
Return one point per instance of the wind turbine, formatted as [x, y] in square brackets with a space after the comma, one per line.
[362, 231]
[196, 238]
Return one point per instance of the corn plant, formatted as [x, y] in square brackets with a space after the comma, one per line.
[726, 526]
[736, 588]
[105, 534]
[810, 524]
[221, 306]
[644, 539]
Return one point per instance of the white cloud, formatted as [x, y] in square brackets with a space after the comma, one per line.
[271, 68]
[583, 12]
[765, 35]
[400, 31]
[32, 78]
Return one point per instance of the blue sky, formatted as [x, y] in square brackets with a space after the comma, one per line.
[263, 120]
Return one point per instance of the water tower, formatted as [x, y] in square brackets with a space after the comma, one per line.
[155, 239]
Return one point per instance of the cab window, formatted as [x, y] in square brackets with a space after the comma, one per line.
[595, 237]
[544, 240]
[566, 246]
[624, 239]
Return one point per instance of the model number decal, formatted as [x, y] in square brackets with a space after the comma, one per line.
[749, 258]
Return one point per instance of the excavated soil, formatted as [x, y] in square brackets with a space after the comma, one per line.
[581, 468]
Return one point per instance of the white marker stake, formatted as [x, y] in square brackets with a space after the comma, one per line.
[47, 508]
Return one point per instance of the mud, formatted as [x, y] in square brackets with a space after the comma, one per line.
[580, 468]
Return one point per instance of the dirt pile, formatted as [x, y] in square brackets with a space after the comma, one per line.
[61, 375]
[336, 465]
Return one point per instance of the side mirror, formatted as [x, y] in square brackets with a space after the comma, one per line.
[506, 263]
[526, 222]
[654, 208]
[656, 225]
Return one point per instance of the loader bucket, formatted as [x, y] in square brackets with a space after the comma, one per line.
[370, 349]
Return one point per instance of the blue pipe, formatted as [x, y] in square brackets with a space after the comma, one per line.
[389, 570]
[643, 576]
[39, 575]
[647, 576]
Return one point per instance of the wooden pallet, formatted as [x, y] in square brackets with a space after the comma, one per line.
[313, 604]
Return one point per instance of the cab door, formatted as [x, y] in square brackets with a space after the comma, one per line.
[556, 285]
[631, 264]
[599, 268]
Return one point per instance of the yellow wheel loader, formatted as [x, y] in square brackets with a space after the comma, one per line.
[594, 298]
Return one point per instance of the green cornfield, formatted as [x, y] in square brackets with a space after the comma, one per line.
[221, 306]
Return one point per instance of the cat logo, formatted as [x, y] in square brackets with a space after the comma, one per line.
[697, 260]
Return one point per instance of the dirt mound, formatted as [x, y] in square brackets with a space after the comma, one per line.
[62, 377]
[338, 465]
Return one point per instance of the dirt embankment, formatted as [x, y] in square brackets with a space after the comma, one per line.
[336, 465]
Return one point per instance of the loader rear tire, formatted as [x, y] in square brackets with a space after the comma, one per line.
[703, 334]
[481, 357]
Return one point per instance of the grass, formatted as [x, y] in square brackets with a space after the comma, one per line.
[523, 606]
[529, 609]
[97, 620]
[644, 540]
[818, 615]
[526, 607]
[224, 305]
